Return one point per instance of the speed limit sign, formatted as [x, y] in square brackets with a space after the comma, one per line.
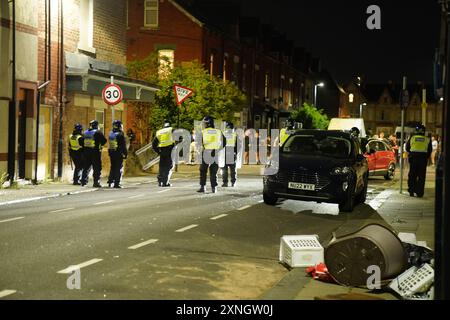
[112, 94]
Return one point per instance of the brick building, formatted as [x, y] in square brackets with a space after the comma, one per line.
[259, 60]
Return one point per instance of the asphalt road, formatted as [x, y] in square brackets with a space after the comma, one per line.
[146, 242]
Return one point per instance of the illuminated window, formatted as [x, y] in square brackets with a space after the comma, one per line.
[266, 86]
[166, 59]
[211, 65]
[86, 25]
[350, 97]
[151, 13]
[100, 117]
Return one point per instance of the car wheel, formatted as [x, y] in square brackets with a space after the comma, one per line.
[390, 173]
[348, 204]
[361, 198]
[270, 200]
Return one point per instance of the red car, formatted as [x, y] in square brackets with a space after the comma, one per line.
[380, 156]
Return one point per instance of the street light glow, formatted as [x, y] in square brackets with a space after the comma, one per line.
[321, 84]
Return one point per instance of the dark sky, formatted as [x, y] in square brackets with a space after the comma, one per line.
[336, 32]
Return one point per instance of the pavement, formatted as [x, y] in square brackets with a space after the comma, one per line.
[145, 242]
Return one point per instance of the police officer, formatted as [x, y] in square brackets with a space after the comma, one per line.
[76, 143]
[163, 144]
[419, 150]
[287, 130]
[212, 140]
[117, 153]
[94, 140]
[230, 155]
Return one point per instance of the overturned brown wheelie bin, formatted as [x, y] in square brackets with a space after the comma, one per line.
[349, 258]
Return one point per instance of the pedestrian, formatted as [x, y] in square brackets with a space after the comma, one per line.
[163, 144]
[76, 143]
[419, 149]
[212, 141]
[287, 130]
[231, 151]
[94, 140]
[434, 146]
[117, 153]
[393, 144]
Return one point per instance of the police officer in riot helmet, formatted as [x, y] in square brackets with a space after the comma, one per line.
[117, 153]
[94, 140]
[212, 140]
[231, 151]
[163, 144]
[419, 150]
[355, 132]
[76, 144]
[287, 130]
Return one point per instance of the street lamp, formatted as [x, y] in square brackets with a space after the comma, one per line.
[321, 84]
[361, 108]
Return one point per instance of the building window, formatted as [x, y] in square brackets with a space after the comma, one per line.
[266, 86]
[86, 26]
[211, 65]
[100, 117]
[382, 114]
[126, 12]
[225, 66]
[151, 11]
[350, 97]
[244, 79]
[166, 60]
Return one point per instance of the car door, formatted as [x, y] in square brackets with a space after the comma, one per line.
[381, 156]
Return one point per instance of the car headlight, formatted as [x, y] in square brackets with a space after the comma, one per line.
[341, 170]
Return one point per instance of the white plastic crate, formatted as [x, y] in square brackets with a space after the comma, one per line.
[301, 251]
[413, 281]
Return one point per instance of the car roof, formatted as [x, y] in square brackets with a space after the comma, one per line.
[333, 133]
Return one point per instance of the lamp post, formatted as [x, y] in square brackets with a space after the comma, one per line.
[321, 84]
[361, 109]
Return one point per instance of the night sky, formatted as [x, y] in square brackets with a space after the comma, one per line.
[336, 32]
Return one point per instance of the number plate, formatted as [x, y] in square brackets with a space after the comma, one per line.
[302, 186]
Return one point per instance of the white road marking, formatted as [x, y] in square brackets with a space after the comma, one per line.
[5, 293]
[79, 266]
[137, 246]
[219, 216]
[378, 201]
[12, 219]
[46, 197]
[187, 228]
[136, 196]
[103, 202]
[244, 207]
[61, 210]
[163, 191]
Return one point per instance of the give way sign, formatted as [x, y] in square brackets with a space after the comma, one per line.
[182, 93]
[112, 94]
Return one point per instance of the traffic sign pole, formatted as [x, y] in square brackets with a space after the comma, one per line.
[403, 104]
[112, 107]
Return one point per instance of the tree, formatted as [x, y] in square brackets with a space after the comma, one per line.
[310, 117]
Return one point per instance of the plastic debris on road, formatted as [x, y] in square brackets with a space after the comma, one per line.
[320, 272]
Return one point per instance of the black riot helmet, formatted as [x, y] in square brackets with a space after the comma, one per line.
[420, 129]
[93, 124]
[117, 125]
[208, 121]
[78, 127]
[166, 124]
[290, 123]
[355, 132]
[229, 125]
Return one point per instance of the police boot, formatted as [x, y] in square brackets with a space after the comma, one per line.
[225, 185]
[97, 184]
[202, 189]
[167, 185]
[214, 189]
[118, 186]
[233, 184]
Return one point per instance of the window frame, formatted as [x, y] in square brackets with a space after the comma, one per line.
[150, 8]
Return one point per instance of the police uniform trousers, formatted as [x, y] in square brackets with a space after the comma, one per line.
[230, 163]
[213, 168]
[417, 173]
[116, 170]
[77, 159]
[165, 164]
[93, 159]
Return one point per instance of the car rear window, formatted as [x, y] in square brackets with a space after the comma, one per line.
[328, 146]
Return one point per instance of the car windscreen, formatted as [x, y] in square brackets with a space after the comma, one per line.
[328, 146]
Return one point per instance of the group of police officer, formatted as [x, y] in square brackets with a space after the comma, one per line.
[212, 141]
[85, 150]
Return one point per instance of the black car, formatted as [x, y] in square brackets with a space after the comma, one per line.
[322, 166]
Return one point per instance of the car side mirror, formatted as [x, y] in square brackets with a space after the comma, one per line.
[360, 157]
[372, 151]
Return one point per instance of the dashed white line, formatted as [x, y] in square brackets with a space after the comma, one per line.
[219, 216]
[163, 191]
[61, 210]
[244, 207]
[187, 228]
[79, 266]
[136, 196]
[378, 201]
[137, 246]
[103, 202]
[5, 293]
[12, 219]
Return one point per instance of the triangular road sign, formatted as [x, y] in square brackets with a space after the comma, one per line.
[182, 93]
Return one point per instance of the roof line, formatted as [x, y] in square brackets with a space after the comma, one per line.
[185, 12]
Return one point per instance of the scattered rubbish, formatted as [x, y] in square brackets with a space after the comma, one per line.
[415, 283]
[350, 258]
[301, 251]
[407, 237]
[320, 272]
[418, 255]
